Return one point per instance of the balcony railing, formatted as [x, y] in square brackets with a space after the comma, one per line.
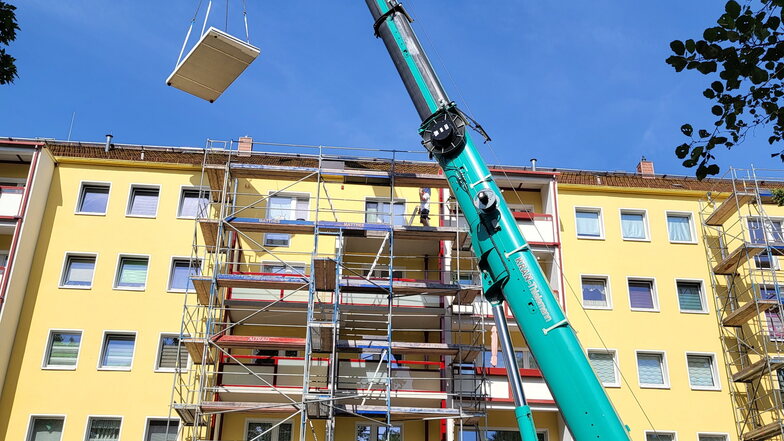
[10, 200]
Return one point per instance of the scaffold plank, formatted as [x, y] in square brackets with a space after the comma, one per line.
[264, 171]
[729, 264]
[757, 369]
[202, 285]
[726, 209]
[767, 431]
[742, 315]
[341, 410]
[195, 348]
[215, 176]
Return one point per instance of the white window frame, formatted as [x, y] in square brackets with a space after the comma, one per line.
[183, 188]
[158, 418]
[614, 353]
[714, 370]
[654, 293]
[377, 425]
[156, 367]
[601, 222]
[393, 201]
[693, 231]
[90, 418]
[130, 200]
[33, 416]
[267, 420]
[294, 196]
[171, 270]
[606, 279]
[79, 196]
[68, 255]
[48, 349]
[724, 434]
[103, 347]
[703, 297]
[305, 267]
[665, 371]
[546, 433]
[662, 432]
[120, 257]
[645, 223]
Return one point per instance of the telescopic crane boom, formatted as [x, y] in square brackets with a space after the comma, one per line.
[509, 269]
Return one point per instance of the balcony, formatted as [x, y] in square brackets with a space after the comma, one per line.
[536, 227]
[10, 200]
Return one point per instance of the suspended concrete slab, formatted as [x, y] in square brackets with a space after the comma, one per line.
[212, 65]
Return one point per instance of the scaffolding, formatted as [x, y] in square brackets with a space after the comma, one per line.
[742, 243]
[365, 313]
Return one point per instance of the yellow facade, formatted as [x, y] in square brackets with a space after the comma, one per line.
[140, 393]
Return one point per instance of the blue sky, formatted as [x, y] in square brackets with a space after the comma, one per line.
[576, 85]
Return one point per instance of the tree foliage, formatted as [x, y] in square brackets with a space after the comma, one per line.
[746, 49]
[8, 28]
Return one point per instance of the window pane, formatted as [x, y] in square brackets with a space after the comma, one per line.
[650, 369]
[679, 227]
[603, 365]
[167, 358]
[180, 274]
[775, 325]
[712, 437]
[364, 433]
[389, 433]
[279, 207]
[104, 430]
[641, 294]
[79, 271]
[701, 370]
[690, 297]
[302, 207]
[133, 272]
[93, 199]
[144, 202]
[118, 351]
[277, 239]
[256, 429]
[162, 430]
[633, 225]
[588, 224]
[46, 429]
[595, 292]
[659, 437]
[63, 349]
[193, 203]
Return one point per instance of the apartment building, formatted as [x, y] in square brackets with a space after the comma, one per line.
[223, 293]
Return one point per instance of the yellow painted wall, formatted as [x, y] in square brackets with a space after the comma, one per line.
[85, 391]
[677, 408]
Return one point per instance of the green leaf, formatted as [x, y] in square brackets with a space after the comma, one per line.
[678, 47]
[714, 34]
[726, 21]
[707, 67]
[713, 169]
[744, 23]
[681, 151]
[773, 23]
[704, 133]
[733, 8]
[709, 93]
[677, 62]
[701, 172]
[689, 163]
[717, 86]
[759, 76]
[690, 46]
[687, 129]
[717, 110]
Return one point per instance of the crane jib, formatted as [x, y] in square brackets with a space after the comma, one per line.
[509, 268]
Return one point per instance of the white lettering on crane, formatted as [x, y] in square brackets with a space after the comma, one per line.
[533, 288]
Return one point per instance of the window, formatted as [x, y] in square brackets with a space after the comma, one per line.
[712, 437]
[167, 353]
[589, 223]
[702, 371]
[603, 363]
[103, 429]
[285, 207]
[143, 201]
[633, 225]
[690, 298]
[380, 212]
[132, 272]
[162, 430]
[62, 349]
[78, 271]
[761, 230]
[525, 360]
[659, 436]
[45, 428]
[281, 268]
[499, 435]
[193, 203]
[93, 199]
[642, 296]
[254, 430]
[377, 432]
[652, 370]
[595, 293]
[180, 274]
[117, 351]
[680, 228]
